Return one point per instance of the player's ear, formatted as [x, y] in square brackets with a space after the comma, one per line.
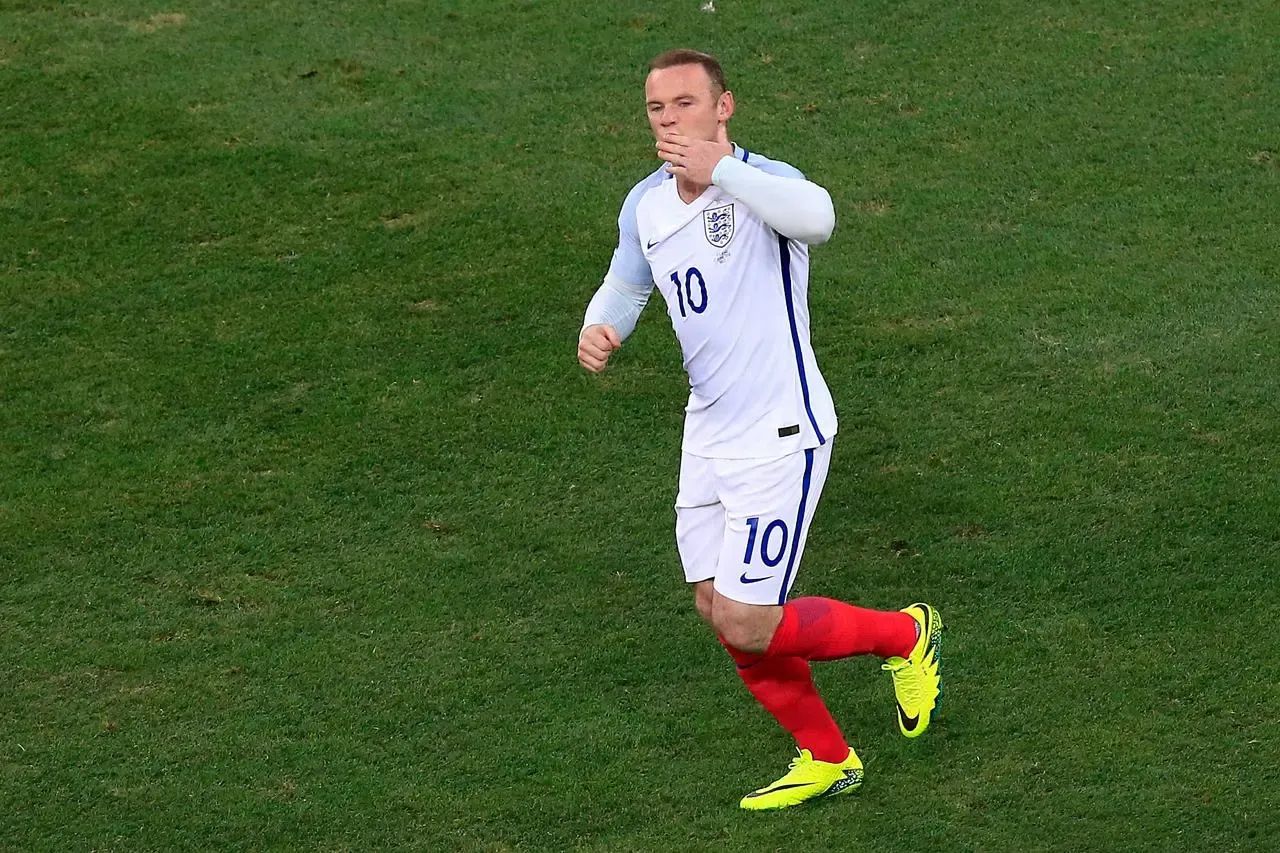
[724, 107]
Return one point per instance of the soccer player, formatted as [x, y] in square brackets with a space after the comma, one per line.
[724, 233]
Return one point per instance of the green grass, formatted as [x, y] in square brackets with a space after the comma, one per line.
[314, 537]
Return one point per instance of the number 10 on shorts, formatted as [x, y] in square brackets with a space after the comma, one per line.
[773, 543]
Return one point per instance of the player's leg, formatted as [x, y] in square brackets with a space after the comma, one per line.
[771, 511]
[785, 688]
[773, 639]
[817, 628]
[770, 508]
[782, 685]
[703, 595]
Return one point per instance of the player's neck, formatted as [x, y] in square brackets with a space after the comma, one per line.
[688, 190]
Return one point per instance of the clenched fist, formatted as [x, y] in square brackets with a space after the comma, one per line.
[595, 345]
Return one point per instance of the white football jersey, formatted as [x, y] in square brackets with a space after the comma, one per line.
[737, 295]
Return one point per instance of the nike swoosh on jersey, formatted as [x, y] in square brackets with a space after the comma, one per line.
[651, 244]
[745, 579]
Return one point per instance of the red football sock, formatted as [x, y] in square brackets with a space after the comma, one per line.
[784, 686]
[825, 629]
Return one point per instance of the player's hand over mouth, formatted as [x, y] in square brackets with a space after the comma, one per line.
[694, 159]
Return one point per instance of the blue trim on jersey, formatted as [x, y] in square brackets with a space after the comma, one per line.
[798, 530]
[784, 256]
[745, 152]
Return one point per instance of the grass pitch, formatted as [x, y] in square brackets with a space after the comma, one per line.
[313, 536]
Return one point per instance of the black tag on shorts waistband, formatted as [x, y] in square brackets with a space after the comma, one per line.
[783, 432]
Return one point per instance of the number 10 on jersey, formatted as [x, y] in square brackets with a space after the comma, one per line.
[684, 292]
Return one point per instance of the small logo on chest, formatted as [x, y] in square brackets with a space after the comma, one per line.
[717, 224]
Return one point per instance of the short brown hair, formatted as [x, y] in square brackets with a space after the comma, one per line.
[684, 56]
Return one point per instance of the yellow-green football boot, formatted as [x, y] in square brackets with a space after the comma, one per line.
[808, 779]
[917, 679]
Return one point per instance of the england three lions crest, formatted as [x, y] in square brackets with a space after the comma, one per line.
[717, 224]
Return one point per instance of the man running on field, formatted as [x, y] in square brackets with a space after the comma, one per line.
[724, 233]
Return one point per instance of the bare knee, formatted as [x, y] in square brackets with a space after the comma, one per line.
[703, 596]
[746, 627]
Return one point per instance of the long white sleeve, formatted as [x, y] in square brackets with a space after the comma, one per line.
[793, 207]
[617, 304]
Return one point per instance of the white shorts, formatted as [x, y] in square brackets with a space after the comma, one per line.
[744, 522]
